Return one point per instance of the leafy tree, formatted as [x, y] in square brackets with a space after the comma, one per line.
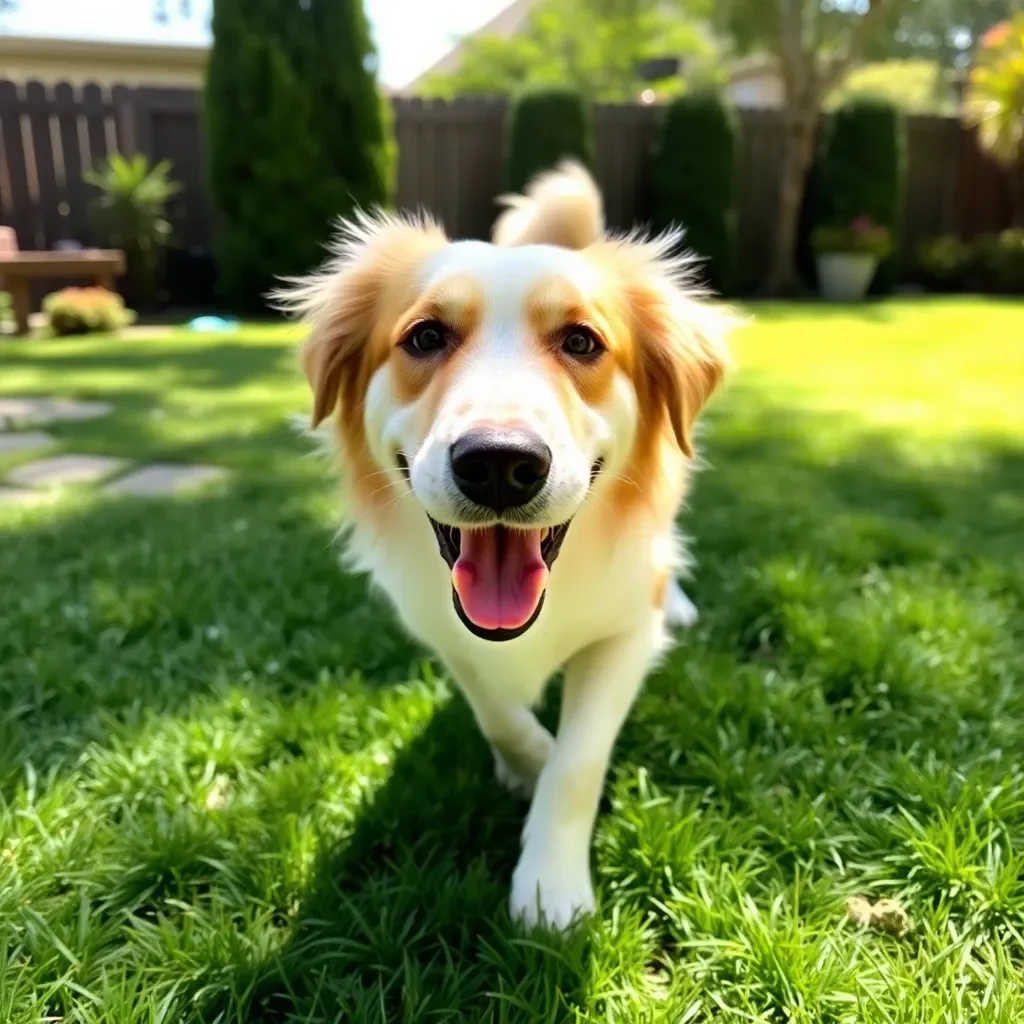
[915, 86]
[814, 42]
[946, 31]
[296, 134]
[599, 47]
[995, 101]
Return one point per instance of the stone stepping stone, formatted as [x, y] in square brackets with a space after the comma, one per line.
[65, 470]
[35, 411]
[30, 441]
[20, 496]
[162, 479]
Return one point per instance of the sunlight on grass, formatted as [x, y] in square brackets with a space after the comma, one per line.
[937, 367]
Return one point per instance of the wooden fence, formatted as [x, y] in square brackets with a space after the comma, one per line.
[451, 159]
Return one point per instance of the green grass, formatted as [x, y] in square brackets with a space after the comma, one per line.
[231, 790]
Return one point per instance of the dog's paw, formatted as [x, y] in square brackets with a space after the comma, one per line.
[519, 769]
[519, 782]
[680, 611]
[556, 900]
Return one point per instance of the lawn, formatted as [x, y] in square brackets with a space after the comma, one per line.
[231, 790]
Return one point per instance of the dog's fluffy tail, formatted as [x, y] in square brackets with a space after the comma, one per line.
[560, 207]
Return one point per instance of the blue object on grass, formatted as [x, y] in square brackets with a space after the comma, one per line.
[212, 324]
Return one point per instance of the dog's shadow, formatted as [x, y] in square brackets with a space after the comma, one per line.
[405, 918]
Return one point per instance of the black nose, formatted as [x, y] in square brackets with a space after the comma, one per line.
[500, 469]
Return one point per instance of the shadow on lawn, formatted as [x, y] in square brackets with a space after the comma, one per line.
[223, 366]
[126, 611]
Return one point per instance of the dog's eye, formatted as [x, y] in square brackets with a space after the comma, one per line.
[426, 338]
[581, 343]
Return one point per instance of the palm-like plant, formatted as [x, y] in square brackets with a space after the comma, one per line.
[130, 210]
[995, 100]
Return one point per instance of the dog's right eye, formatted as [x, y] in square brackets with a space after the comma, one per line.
[426, 339]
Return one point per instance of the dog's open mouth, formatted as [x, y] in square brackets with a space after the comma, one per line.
[499, 573]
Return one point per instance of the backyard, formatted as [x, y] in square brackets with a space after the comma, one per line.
[231, 790]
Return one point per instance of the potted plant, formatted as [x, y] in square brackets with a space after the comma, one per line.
[847, 257]
[130, 214]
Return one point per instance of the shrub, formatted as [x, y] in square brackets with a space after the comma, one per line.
[545, 126]
[297, 135]
[6, 309]
[943, 263]
[862, 170]
[85, 310]
[989, 264]
[130, 215]
[694, 179]
[997, 263]
[861, 235]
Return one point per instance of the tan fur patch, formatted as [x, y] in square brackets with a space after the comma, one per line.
[354, 306]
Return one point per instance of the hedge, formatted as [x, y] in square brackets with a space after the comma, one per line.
[694, 180]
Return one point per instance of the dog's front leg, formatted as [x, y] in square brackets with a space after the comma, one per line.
[552, 882]
[521, 745]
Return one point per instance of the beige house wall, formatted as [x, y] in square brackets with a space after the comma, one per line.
[79, 61]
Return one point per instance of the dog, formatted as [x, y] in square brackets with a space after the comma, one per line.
[514, 423]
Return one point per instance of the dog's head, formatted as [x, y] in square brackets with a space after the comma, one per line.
[501, 382]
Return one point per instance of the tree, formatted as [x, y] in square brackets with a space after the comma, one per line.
[916, 86]
[598, 47]
[814, 42]
[946, 31]
[995, 101]
[296, 135]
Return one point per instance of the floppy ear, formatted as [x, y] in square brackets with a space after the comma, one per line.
[682, 353]
[343, 303]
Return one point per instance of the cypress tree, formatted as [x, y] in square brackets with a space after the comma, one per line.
[296, 135]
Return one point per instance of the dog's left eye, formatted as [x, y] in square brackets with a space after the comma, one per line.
[580, 342]
[426, 338]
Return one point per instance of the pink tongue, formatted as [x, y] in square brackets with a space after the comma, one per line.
[500, 576]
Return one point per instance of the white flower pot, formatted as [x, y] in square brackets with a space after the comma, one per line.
[845, 276]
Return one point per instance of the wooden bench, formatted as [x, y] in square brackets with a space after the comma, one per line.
[17, 269]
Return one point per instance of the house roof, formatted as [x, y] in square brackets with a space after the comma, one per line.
[506, 23]
[182, 54]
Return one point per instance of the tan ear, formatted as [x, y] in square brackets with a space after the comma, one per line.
[682, 354]
[323, 362]
[348, 299]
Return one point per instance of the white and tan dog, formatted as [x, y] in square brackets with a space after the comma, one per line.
[514, 422]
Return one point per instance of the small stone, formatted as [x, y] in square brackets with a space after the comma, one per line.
[51, 410]
[162, 479]
[65, 470]
[11, 443]
[884, 916]
[217, 798]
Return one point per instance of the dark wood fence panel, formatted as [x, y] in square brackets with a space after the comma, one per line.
[624, 136]
[18, 204]
[930, 204]
[169, 126]
[451, 159]
[984, 194]
[758, 176]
